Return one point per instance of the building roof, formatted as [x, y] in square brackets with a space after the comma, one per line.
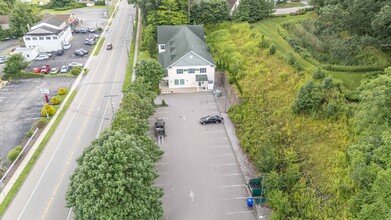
[181, 40]
[60, 17]
[51, 21]
[43, 31]
[231, 3]
[4, 19]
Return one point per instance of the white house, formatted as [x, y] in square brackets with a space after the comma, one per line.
[49, 35]
[30, 53]
[184, 54]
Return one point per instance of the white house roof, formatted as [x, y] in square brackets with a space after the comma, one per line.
[43, 31]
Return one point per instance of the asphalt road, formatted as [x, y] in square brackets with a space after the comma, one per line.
[199, 173]
[42, 195]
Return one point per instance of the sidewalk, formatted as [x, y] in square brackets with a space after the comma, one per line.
[247, 168]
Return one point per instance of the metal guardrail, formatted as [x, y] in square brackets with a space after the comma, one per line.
[17, 158]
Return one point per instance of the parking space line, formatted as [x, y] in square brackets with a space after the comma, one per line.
[162, 184]
[232, 186]
[228, 199]
[223, 165]
[239, 212]
[224, 155]
[223, 146]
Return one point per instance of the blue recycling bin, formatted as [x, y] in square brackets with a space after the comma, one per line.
[250, 202]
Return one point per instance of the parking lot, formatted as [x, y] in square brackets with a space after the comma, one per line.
[20, 107]
[91, 17]
[198, 172]
[21, 101]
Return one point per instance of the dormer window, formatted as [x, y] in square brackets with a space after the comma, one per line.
[162, 47]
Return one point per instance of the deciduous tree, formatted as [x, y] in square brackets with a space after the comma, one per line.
[15, 64]
[22, 16]
[151, 70]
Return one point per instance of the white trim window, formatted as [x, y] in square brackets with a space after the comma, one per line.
[191, 71]
[176, 82]
[41, 38]
[202, 70]
[162, 47]
[179, 71]
[181, 82]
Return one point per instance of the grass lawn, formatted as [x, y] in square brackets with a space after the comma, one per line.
[269, 29]
[99, 46]
[290, 5]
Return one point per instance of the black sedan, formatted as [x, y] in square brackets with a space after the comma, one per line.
[211, 119]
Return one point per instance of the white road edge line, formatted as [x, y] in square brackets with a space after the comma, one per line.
[231, 186]
[228, 199]
[227, 164]
[239, 212]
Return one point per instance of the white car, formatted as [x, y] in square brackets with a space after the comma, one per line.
[64, 69]
[72, 64]
[42, 57]
[67, 45]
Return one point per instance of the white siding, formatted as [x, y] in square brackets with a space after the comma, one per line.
[46, 45]
[189, 78]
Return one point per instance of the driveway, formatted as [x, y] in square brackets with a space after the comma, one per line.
[280, 11]
[198, 172]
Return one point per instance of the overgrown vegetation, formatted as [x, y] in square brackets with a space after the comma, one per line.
[295, 122]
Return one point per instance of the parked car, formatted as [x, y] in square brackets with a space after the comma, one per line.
[83, 31]
[94, 36]
[37, 70]
[83, 50]
[67, 45]
[91, 30]
[47, 54]
[54, 71]
[45, 69]
[79, 53]
[42, 57]
[72, 64]
[64, 69]
[60, 52]
[3, 59]
[91, 37]
[211, 119]
[109, 46]
[89, 42]
[76, 30]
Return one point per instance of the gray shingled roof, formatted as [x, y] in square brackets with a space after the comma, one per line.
[179, 41]
[43, 31]
[52, 21]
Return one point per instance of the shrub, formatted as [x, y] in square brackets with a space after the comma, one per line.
[30, 132]
[308, 99]
[48, 109]
[76, 70]
[62, 91]
[318, 74]
[55, 100]
[164, 102]
[272, 49]
[41, 123]
[290, 59]
[14, 153]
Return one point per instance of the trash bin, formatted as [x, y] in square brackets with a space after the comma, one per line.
[217, 93]
[250, 202]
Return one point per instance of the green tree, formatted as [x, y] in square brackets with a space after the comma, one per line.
[253, 10]
[15, 64]
[381, 25]
[308, 99]
[4, 8]
[60, 3]
[22, 16]
[114, 180]
[151, 70]
[168, 13]
[209, 12]
[331, 20]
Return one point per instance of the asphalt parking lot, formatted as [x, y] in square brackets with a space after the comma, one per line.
[20, 106]
[199, 173]
[21, 101]
[91, 17]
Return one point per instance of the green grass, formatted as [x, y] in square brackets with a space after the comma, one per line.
[290, 5]
[18, 183]
[99, 46]
[268, 28]
[129, 66]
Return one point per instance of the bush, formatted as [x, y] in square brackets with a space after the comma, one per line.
[48, 109]
[41, 123]
[76, 70]
[272, 49]
[14, 153]
[55, 100]
[308, 99]
[62, 91]
[30, 132]
[318, 74]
